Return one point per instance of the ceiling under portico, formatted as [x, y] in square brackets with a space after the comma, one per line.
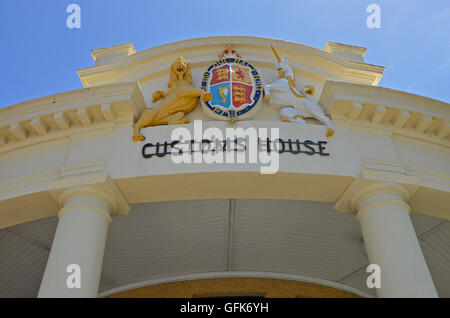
[166, 241]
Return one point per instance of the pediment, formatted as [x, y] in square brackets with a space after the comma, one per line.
[150, 67]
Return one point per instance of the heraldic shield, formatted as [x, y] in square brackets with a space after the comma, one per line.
[235, 85]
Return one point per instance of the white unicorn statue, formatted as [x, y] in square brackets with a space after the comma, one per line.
[294, 106]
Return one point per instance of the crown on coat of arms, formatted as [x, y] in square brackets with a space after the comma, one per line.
[229, 52]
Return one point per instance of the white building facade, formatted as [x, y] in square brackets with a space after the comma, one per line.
[76, 189]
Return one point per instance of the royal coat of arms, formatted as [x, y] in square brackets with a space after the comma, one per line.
[235, 85]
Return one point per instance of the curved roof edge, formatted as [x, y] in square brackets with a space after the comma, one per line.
[337, 61]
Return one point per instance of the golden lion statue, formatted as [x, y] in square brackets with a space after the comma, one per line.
[181, 99]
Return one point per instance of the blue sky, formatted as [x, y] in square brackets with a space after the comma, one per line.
[40, 55]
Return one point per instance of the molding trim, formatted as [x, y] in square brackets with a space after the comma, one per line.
[273, 275]
[61, 115]
[323, 63]
[396, 112]
[127, 48]
[84, 207]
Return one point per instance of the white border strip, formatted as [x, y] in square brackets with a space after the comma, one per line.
[282, 276]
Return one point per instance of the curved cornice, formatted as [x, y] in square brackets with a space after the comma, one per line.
[60, 115]
[256, 49]
[395, 111]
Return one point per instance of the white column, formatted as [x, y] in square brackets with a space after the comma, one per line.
[80, 239]
[391, 241]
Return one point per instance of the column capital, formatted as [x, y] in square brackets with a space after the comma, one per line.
[100, 182]
[379, 194]
[97, 200]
